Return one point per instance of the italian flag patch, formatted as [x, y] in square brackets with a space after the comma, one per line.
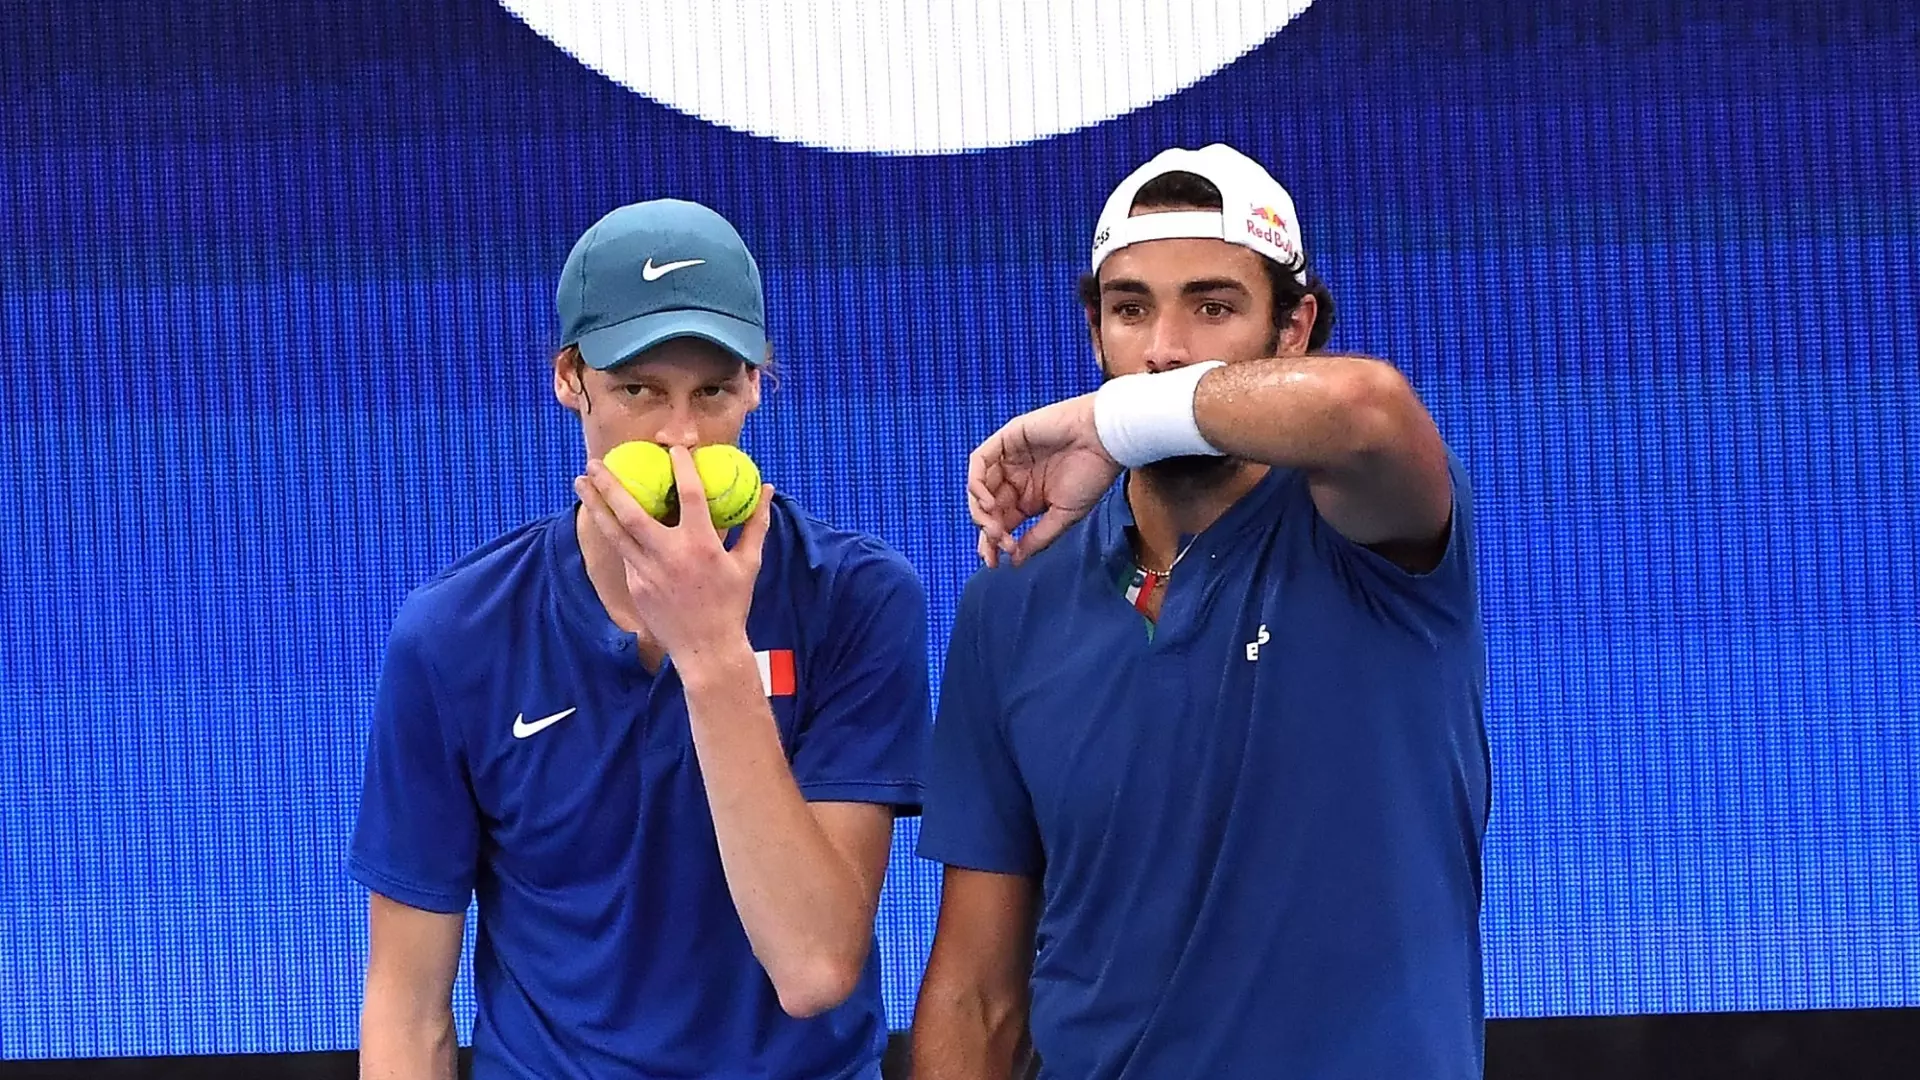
[776, 671]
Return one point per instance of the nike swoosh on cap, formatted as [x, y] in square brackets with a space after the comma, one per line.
[655, 273]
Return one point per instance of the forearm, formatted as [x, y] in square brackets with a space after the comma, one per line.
[1315, 413]
[398, 1044]
[806, 912]
[962, 1034]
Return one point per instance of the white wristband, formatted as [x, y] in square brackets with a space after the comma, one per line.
[1147, 417]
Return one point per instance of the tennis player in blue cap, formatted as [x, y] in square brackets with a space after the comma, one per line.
[667, 767]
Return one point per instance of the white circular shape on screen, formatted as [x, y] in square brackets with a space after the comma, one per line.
[906, 76]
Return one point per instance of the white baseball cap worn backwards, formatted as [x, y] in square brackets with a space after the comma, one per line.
[1257, 212]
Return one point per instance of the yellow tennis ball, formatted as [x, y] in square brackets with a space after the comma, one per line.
[732, 481]
[645, 470]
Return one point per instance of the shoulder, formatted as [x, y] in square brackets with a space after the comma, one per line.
[1062, 566]
[474, 587]
[1003, 608]
[847, 565]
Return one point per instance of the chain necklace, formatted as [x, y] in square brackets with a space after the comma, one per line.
[1168, 572]
[1144, 581]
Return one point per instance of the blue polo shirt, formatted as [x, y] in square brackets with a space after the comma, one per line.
[1257, 833]
[521, 752]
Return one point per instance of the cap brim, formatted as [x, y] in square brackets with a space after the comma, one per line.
[611, 346]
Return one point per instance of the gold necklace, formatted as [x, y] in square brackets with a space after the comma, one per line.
[1168, 572]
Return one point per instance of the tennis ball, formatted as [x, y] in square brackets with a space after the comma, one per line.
[645, 470]
[732, 481]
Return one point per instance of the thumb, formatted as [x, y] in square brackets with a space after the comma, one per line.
[1045, 531]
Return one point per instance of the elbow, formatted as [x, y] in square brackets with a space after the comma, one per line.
[1376, 404]
[819, 985]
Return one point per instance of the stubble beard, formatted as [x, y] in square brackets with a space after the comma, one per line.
[1189, 478]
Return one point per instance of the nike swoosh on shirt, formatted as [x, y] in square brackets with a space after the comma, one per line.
[655, 273]
[522, 729]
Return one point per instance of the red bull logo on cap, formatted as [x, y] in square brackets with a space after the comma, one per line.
[1267, 215]
[1263, 223]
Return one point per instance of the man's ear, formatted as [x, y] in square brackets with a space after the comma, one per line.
[1093, 338]
[1298, 331]
[568, 385]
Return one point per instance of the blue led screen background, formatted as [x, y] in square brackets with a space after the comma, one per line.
[276, 280]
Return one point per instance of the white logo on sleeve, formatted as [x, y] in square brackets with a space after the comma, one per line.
[522, 729]
[655, 273]
[1253, 647]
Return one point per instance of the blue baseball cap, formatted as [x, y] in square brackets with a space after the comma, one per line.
[654, 271]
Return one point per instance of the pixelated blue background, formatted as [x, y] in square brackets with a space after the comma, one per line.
[276, 279]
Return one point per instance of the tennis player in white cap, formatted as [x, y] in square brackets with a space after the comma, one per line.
[1208, 773]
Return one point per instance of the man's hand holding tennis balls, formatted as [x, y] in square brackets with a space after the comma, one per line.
[690, 591]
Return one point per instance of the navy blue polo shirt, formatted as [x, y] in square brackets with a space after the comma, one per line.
[1257, 832]
[521, 752]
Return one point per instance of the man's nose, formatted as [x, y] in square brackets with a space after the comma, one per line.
[1167, 349]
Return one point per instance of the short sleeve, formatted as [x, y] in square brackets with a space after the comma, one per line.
[1448, 593]
[978, 812]
[417, 837]
[864, 734]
